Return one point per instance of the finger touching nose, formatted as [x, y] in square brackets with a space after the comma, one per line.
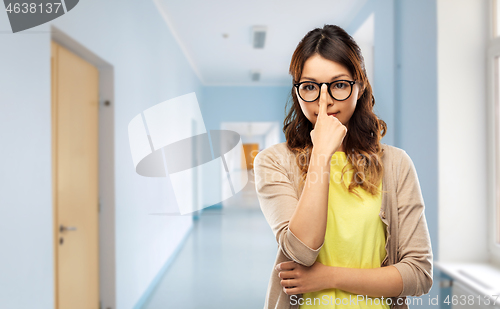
[323, 100]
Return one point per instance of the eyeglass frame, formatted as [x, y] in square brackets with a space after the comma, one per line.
[351, 82]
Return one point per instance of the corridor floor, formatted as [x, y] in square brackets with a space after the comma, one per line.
[225, 262]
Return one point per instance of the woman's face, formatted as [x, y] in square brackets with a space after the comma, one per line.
[321, 70]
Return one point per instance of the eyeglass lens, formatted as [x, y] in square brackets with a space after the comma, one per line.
[339, 90]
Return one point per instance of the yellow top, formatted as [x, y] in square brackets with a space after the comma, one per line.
[354, 238]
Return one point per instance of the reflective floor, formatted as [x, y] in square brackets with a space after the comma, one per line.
[225, 262]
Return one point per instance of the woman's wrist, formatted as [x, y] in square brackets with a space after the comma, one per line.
[332, 277]
[321, 158]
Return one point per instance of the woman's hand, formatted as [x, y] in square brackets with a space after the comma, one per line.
[298, 279]
[328, 132]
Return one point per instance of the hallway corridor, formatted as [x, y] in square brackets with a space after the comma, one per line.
[225, 262]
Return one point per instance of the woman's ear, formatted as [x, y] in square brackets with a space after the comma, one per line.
[361, 91]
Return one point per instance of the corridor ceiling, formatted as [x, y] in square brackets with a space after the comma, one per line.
[216, 35]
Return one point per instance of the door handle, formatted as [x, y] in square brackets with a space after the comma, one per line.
[63, 228]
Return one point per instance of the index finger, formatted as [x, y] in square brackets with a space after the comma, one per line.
[322, 100]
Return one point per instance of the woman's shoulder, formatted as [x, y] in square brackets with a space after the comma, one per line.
[274, 151]
[276, 156]
[396, 158]
[392, 153]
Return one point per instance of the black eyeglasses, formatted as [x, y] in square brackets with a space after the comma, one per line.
[340, 90]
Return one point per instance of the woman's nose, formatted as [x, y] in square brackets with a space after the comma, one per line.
[329, 99]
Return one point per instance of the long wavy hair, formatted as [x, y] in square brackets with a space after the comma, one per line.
[362, 141]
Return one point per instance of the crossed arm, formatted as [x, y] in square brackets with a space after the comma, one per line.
[373, 282]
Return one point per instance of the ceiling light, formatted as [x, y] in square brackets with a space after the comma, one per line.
[259, 36]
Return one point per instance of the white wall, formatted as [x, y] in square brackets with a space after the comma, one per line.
[25, 171]
[462, 33]
[272, 137]
[149, 68]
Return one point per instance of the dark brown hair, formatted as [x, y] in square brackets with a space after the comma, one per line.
[362, 141]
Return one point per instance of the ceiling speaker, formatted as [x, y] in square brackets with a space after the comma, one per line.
[255, 76]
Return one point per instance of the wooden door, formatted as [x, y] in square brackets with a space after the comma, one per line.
[249, 152]
[75, 105]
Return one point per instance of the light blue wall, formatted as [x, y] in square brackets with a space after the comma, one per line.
[405, 89]
[244, 103]
[241, 104]
[416, 117]
[384, 65]
[416, 98]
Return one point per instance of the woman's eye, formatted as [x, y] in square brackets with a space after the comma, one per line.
[339, 86]
[309, 87]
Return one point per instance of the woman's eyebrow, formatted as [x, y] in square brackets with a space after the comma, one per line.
[333, 78]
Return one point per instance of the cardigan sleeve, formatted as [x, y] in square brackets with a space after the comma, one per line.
[278, 201]
[414, 247]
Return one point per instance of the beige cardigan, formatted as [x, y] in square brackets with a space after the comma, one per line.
[408, 244]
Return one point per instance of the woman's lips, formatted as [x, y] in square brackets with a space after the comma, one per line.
[330, 114]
